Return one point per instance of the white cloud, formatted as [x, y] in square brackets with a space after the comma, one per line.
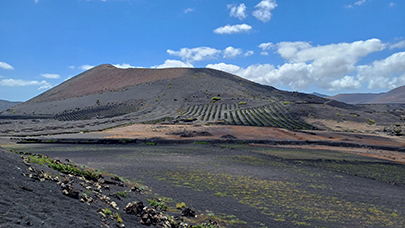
[188, 10]
[264, 53]
[331, 67]
[6, 66]
[36, 1]
[359, 3]
[169, 63]
[20, 82]
[231, 29]
[52, 76]
[231, 52]
[72, 67]
[347, 82]
[195, 54]
[392, 4]
[266, 46]
[123, 66]
[331, 60]
[238, 11]
[400, 44]
[263, 10]
[387, 73]
[86, 67]
[249, 53]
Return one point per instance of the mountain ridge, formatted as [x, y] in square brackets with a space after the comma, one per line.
[394, 96]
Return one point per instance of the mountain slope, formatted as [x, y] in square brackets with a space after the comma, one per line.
[395, 96]
[184, 95]
[355, 98]
[7, 104]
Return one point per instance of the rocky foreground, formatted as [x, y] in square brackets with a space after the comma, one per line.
[37, 191]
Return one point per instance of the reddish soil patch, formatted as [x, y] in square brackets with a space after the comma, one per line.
[145, 131]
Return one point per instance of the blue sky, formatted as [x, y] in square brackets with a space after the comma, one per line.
[330, 47]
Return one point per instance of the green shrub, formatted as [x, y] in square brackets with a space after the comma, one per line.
[157, 203]
[151, 143]
[370, 121]
[286, 102]
[107, 211]
[215, 98]
[122, 194]
[180, 205]
[242, 103]
[118, 217]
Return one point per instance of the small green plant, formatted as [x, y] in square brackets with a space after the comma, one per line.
[286, 102]
[158, 203]
[201, 143]
[339, 114]
[85, 131]
[107, 211]
[122, 194]
[88, 191]
[170, 87]
[180, 205]
[215, 98]
[49, 141]
[156, 100]
[151, 143]
[397, 131]
[370, 121]
[242, 103]
[118, 217]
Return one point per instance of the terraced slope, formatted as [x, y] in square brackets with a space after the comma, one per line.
[273, 114]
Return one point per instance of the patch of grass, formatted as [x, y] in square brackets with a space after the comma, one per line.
[122, 194]
[118, 217]
[370, 121]
[86, 131]
[201, 143]
[180, 205]
[294, 204]
[65, 168]
[286, 102]
[107, 211]
[158, 203]
[242, 103]
[215, 98]
[151, 143]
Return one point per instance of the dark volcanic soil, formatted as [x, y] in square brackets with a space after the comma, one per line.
[246, 186]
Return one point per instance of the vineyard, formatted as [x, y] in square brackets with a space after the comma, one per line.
[271, 115]
[96, 112]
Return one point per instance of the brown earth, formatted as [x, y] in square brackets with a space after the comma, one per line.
[145, 131]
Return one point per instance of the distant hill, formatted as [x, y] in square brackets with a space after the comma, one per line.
[320, 94]
[183, 95]
[355, 98]
[395, 96]
[7, 104]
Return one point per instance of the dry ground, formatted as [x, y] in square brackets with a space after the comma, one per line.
[144, 131]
